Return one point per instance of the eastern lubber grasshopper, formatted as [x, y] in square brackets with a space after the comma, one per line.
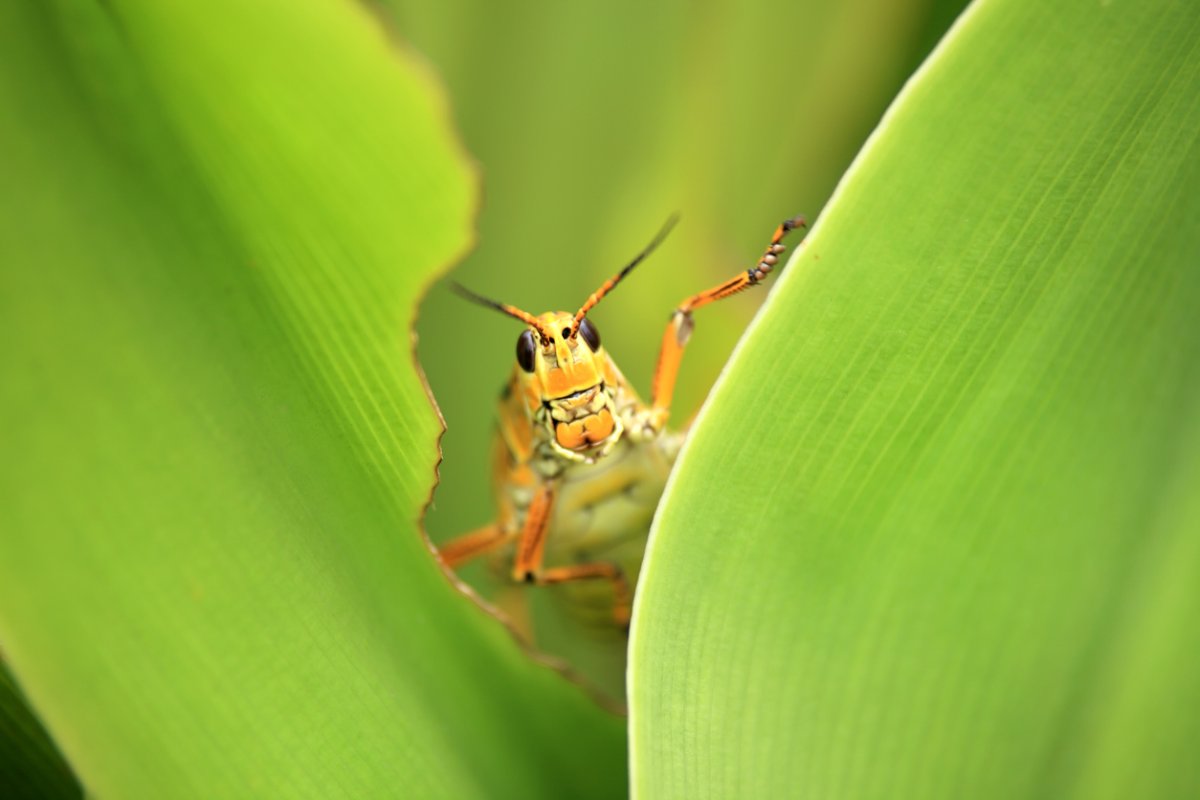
[580, 461]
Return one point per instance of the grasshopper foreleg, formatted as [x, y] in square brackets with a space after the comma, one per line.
[527, 568]
[679, 329]
[466, 547]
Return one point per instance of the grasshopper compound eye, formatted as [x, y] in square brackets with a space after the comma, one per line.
[589, 333]
[526, 349]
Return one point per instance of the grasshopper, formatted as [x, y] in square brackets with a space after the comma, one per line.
[580, 461]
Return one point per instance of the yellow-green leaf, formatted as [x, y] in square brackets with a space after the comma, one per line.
[937, 533]
[215, 222]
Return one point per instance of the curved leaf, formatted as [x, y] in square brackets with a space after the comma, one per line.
[30, 764]
[952, 550]
[217, 219]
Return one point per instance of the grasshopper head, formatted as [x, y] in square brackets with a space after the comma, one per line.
[563, 366]
[566, 375]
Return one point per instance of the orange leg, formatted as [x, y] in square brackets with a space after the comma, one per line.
[466, 547]
[527, 567]
[679, 329]
[533, 536]
[622, 596]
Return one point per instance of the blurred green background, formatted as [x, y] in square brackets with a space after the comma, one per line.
[594, 121]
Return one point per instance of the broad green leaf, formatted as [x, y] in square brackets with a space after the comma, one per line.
[215, 223]
[937, 532]
[595, 120]
[30, 764]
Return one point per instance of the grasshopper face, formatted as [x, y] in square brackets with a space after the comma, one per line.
[567, 383]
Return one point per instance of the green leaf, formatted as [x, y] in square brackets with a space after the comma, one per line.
[216, 220]
[937, 532]
[30, 764]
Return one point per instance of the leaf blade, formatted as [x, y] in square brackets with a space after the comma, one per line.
[217, 582]
[972, 346]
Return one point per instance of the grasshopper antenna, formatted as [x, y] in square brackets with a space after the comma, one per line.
[608, 285]
[503, 308]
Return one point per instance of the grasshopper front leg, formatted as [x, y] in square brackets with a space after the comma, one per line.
[527, 567]
[679, 329]
[463, 548]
